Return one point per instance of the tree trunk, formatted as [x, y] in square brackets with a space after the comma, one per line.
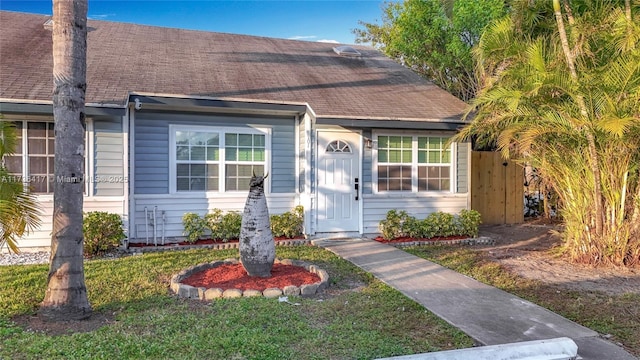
[257, 247]
[593, 152]
[66, 295]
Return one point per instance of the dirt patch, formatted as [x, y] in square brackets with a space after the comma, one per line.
[530, 250]
[34, 323]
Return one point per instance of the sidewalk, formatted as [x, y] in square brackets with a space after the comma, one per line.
[487, 314]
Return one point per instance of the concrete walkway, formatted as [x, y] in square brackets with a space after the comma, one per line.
[487, 314]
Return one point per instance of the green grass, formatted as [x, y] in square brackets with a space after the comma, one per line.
[370, 322]
[617, 315]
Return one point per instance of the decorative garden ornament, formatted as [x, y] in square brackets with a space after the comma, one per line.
[257, 247]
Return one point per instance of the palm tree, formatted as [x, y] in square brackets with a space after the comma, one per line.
[66, 295]
[562, 93]
[18, 207]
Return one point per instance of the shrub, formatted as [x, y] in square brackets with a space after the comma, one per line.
[399, 223]
[469, 222]
[102, 232]
[213, 222]
[392, 226]
[194, 226]
[289, 224]
[230, 224]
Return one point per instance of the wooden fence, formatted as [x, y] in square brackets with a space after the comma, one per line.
[497, 188]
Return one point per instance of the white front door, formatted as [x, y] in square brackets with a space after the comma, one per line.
[339, 184]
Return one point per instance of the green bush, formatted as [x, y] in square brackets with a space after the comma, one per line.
[102, 232]
[230, 225]
[213, 222]
[469, 222]
[289, 224]
[194, 226]
[399, 223]
[393, 226]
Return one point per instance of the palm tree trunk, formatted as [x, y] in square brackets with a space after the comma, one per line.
[66, 295]
[593, 152]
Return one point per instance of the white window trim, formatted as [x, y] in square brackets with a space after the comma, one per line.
[221, 130]
[414, 162]
[89, 158]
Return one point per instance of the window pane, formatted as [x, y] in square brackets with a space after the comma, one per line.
[395, 156]
[213, 153]
[383, 155]
[406, 156]
[198, 170]
[259, 141]
[395, 141]
[383, 142]
[231, 139]
[446, 156]
[38, 165]
[182, 153]
[244, 154]
[245, 170]
[212, 170]
[231, 154]
[258, 155]
[213, 139]
[182, 170]
[37, 146]
[36, 129]
[382, 184]
[13, 164]
[197, 184]
[182, 137]
[212, 183]
[245, 140]
[199, 139]
[197, 153]
[182, 184]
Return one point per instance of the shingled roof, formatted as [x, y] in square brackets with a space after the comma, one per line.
[127, 58]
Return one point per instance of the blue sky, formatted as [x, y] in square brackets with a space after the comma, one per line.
[311, 20]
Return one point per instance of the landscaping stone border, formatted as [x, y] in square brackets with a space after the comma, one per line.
[483, 240]
[201, 293]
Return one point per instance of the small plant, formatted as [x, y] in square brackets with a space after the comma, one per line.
[194, 226]
[399, 223]
[289, 224]
[393, 225]
[102, 232]
[469, 222]
[213, 222]
[230, 224]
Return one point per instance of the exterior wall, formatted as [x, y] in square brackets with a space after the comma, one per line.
[375, 206]
[151, 163]
[151, 166]
[105, 171]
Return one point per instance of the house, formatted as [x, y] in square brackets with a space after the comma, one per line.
[178, 120]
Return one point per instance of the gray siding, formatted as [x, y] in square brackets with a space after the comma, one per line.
[108, 152]
[462, 168]
[367, 165]
[152, 148]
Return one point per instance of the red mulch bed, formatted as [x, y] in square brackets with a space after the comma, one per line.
[233, 276]
[206, 242]
[411, 239]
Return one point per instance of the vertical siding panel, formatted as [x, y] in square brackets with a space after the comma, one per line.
[109, 148]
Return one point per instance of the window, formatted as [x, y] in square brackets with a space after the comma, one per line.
[338, 146]
[32, 160]
[211, 159]
[413, 163]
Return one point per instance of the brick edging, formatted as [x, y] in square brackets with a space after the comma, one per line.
[201, 293]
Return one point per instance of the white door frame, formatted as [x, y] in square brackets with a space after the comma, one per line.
[318, 152]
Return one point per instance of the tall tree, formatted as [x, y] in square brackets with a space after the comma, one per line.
[562, 92]
[66, 295]
[19, 212]
[434, 38]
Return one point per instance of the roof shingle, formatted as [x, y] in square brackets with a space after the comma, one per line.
[124, 58]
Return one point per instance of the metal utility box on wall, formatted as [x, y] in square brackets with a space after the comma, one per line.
[497, 189]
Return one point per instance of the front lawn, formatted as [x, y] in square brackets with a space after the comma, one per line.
[356, 318]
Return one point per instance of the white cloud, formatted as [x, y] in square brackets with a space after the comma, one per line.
[100, 16]
[329, 41]
[302, 37]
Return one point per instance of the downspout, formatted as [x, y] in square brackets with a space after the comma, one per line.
[309, 212]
